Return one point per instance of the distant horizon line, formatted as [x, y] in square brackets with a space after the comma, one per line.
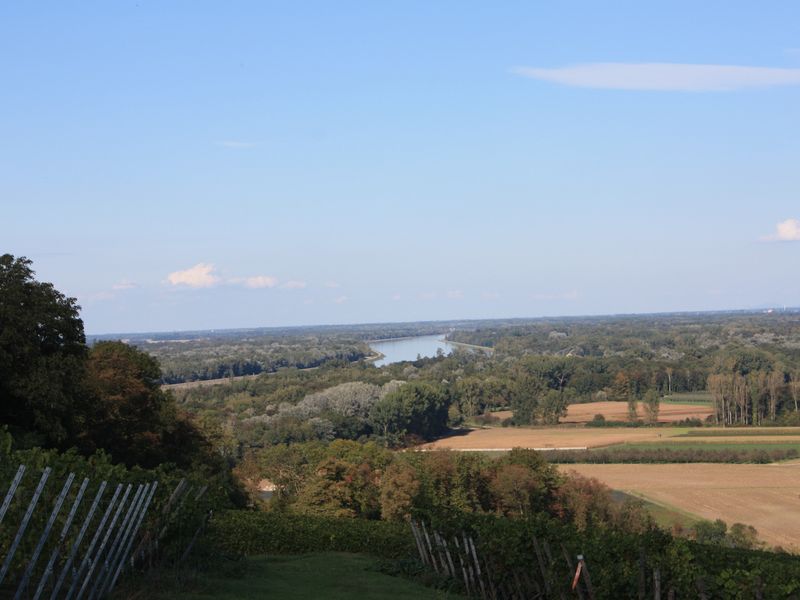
[761, 310]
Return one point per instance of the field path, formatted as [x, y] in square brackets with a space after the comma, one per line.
[764, 496]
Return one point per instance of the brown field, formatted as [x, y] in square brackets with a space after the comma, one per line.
[550, 437]
[578, 436]
[618, 411]
[764, 496]
[205, 382]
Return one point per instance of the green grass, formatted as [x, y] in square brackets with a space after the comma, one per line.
[742, 432]
[665, 516]
[334, 575]
[701, 445]
[688, 398]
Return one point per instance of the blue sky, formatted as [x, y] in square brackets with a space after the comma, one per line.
[190, 165]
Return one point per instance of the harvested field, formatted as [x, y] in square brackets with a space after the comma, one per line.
[618, 411]
[576, 436]
[552, 437]
[670, 412]
[764, 496]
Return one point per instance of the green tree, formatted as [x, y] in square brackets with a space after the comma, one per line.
[414, 408]
[652, 406]
[132, 418]
[42, 355]
[516, 490]
[398, 487]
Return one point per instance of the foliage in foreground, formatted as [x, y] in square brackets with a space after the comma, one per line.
[237, 532]
[330, 575]
[613, 555]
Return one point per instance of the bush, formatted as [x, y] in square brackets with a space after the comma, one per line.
[240, 532]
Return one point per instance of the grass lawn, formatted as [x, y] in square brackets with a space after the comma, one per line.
[326, 575]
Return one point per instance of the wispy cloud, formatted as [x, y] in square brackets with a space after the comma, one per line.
[679, 77]
[340, 300]
[239, 144]
[785, 231]
[455, 294]
[124, 285]
[199, 276]
[260, 282]
[294, 284]
[490, 295]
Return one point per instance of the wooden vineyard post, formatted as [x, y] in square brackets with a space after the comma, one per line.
[64, 531]
[587, 578]
[540, 560]
[577, 588]
[76, 544]
[24, 525]
[465, 568]
[11, 490]
[477, 568]
[551, 564]
[657, 584]
[43, 539]
[430, 548]
[447, 554]
[420, 545]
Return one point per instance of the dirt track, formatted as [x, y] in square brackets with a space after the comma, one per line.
[764, 496]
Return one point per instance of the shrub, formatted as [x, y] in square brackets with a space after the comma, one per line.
[240, 532]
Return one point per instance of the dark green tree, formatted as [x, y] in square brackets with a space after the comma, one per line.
[42, 356]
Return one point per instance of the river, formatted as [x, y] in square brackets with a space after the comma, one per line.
[400, 349]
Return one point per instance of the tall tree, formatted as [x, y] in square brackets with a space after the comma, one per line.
[652, 406]
[42, 355]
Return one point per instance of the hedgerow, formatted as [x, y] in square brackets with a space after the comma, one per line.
[239, 532]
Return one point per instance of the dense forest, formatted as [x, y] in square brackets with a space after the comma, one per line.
[750, 364]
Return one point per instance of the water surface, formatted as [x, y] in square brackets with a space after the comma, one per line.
[409, 348]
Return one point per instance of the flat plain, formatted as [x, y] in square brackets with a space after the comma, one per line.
[618, 411]
[764, 496]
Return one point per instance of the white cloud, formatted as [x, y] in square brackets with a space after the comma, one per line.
[664, 76]
[786, 231]
[199, 276]
[455, 294]
[239, 144]
[294, 284]
[490, 295]
[124, 285]
[340, 300]
[396, 297]
[260, 282]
